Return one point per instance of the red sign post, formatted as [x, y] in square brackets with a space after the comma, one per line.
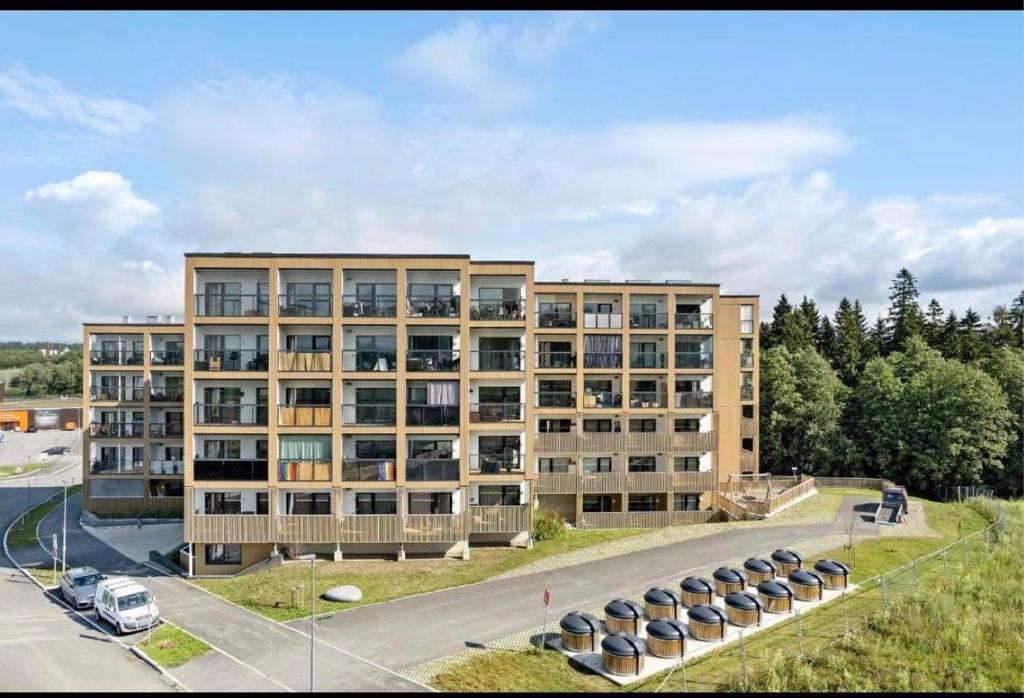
[544, 628]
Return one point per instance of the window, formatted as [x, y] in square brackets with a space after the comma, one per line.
[554, 426]
[499, 394]
[600, 425]
[307, 396]
[262, 503]
[748, 411]
[687, 502]
[746, 318]
[597, 308]
[643, 425]
[261, 449]
[597, 503]
[747, 444]
[375, 396]
[223, 502]
[687, 424]
[597, 464]
[308, 342]
[553, 465]
[430, 449]
[430, 503]
[375, 450]
[223, 554]
[308, 503]
[499, 495]
[643, 464]
[430, 343]
[643, 502]
[687, 464]
[430, 290]
[376, 503]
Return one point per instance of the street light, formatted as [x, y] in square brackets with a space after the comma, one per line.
[64, 542]
[312, 610]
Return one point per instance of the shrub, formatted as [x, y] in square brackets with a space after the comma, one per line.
[547, 525]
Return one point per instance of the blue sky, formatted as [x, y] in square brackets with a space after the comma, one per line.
[800, 152]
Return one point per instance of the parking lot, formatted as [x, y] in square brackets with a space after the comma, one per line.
[24, 448]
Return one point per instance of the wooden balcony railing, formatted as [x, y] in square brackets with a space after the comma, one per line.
[370, 528]
[614, 442]
[304, 415]
[227, 528]
[693, 481]
[646, 519]
[603, 519]
[747, 461]
[308, 470]
[498, 519]
[306, 528]
[648, 481]
[317, 361]
[429, 528]
[691, 517]
[747, 428]
[602, 482]
[557, 483]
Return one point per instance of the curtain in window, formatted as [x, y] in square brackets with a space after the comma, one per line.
[602, 350]
[305, 448]
[443, 393]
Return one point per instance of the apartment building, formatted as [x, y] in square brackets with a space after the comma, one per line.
[349, 404]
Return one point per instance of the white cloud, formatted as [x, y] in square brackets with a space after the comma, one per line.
[103, 199]
[45, 97]
[484, 60]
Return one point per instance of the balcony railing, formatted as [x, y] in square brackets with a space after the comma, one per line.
[746, 392]
[646, 398]
[304, 415]
[100, 466]
[232, 305]
[370, 528]
[556, 359]
[315, 361]
[432, 415]
[556, 319]
[602, 399]
[369, 306]
[512, 310]
[369, 360]
[693, 481]
[606, 321]
[426, 528]
[628, 442]
[240, 415]
[230, 360]
[117, 430]
[240, 469]
[497, 412]
[432, 360]
[499, 519]
[693, 359]
[116, 357]
[498, 360]
[746, 360]
[166, 429]
[748, 429]
[382, 414]
[303, 470]
[556, 399]
[162, 393]
[227, 528]
[698, 398]
[648, 321]
[368, 469]
[304, 305]
[496, 463]
[116, 393]
[167, 358]
[166, 467]
[432, 306]
[647, 359]
[431, 469]
[648, 481]
[602, 359]
[693, 321]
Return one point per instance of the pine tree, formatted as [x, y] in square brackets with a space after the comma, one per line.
[933, 321]
[782, 310]
[905, 318]
[951, 336]
[810, 311]
[971, 344]
[876, 341]
[848, 355]
[826, 339]
[1017, 319]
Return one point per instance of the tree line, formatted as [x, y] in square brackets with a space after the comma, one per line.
[56, 375]
[921, 397]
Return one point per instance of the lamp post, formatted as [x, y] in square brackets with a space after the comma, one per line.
[64, 541]
[312, 611]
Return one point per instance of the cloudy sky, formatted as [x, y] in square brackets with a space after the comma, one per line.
[769, 152]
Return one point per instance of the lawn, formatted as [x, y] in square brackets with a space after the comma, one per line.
[551, 671]
[170, 646]
[23, 532]
[8, 470]
[270, 592]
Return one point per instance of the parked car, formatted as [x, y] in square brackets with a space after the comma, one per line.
[78, 586]
[125, 604]
[31, 430]
[58, 450]
[894, 507]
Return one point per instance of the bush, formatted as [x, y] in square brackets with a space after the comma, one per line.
[547, 525]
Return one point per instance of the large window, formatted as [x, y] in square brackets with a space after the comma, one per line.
[643, 425]
[643, 464]
[499, 495]
[554, 426]
[553, 465]
[598, 503]
[308, 342]
[376, 503]
[746, 318]
[430, 503]
[687, 464]
[307, 503]
[223, 554]
[223, 502]
[601, 425]
[375, 449]
[687, 424]
[687, 502]
[643, 502]
[597, 464]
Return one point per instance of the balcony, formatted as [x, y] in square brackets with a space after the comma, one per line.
[432, 306]
[648, 359]
[597, 483]
[370, 528]
[499, 519]
[498, 360]
[746, 360]
[232, 305]
[230, 360]
[556, 359]
[648, 321]
[432, 360]
[693, 359]
[647, 399]
[649, 481]
[301, 305]
[693, 481]
[428, 528]
[510, 310]
[166, 429]
[368, 470]
[602, 321]
[556, 319]
[747, 461]
[166, 394]
[431, 469]
[696, 398]
[227, 528]
[234, 415]
[305, 528]
[365, 414]
[496, 463]
[304, 415]
[748, 429]
[556, 399]
[693, 321]
[167, 358]
[117, 430]
[432, 415]
[602, 359]
[602, 399]
[558, 483]
[497, 412]
[116, 394]
[746, 392]
[369, 306]
[310, 361]
[369, 360]
[99, 466]
[238, 469]
[166, 467]
[116, 357]
[303, 470]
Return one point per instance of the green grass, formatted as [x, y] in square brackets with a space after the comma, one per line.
[45, 574]
[269, 592]
[8, 470]
[23, 532]
[551, 671]
[170, 646]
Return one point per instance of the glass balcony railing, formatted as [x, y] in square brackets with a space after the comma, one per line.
[698, 398]
[318, 361]
[432, 360]
[368, 469]
[232, 305]
[693, 321]
[166, 394]
[648, 321]
[166, 429]
[369, 306]
[296, 305]
[556, 319]
[432, 415]
[552, 398]
[230, 360]
[296, 415]
[644, 398]
[602, 398]
[117, 430]
[242, 469]
[504, 309]
[497, 412]
[166, 467]
[102, 466]
[693, 359]
[602, 359]
[746, 360]
[498, 360]
[367, 414]
[382, 360]
[556, 359]
[647, 359]
[116, 357]
[608, 321]
[496, 463]
[240, 415]
[167, 358]
[431, 469]
[432, 306]
[118, 393]
[746, 392]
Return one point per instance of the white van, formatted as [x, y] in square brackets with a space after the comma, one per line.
[125, 604]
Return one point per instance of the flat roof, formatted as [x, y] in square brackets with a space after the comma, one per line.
[739, 295]
[330, 255]
[584, 282]
[133, 324]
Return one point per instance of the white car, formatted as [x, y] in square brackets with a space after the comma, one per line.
[125, 604]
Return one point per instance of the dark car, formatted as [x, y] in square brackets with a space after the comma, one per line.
[57, 451]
